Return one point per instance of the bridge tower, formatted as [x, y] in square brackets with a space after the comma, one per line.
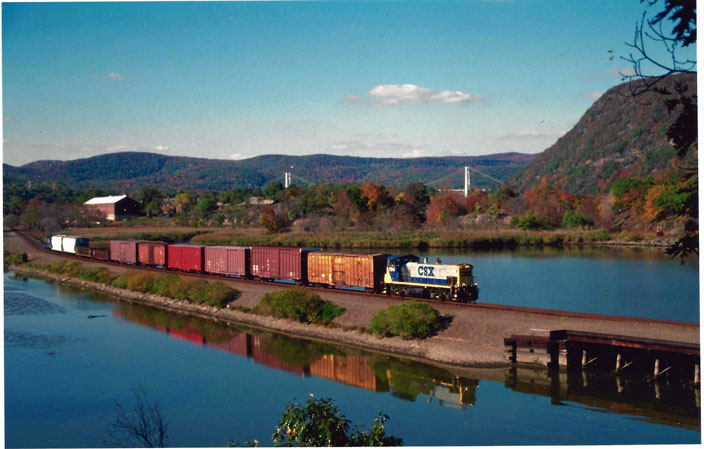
[467, 181]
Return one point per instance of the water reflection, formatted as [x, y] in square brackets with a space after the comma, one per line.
[657, 402]
[405, 380]
[660, 403]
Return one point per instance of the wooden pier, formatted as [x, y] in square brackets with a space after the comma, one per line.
[617, 354]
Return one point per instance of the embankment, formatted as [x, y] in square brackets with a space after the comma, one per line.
[426, 350]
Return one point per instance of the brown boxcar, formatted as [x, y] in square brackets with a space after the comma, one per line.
[185, 257]
[280, 262]
[123, 251]
[229, 260]
[83, 251]
[100, 253]
[151, 253]
[347, 270]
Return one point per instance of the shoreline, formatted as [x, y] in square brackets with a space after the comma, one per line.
[417, 350]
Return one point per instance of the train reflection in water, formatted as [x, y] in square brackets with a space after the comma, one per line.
[304, 358]
[657, 402]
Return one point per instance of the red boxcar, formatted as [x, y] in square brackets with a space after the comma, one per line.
[149, 253]
[229, 260]
[123, 251]
[280, 262]
[185, 257]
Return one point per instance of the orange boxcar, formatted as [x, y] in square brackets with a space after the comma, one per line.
[347, 270]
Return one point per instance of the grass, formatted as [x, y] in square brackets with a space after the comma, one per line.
[475, 240]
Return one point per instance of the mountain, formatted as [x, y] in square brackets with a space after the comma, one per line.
[619, 135]
[127, 171]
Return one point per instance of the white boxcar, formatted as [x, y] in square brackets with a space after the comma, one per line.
[56, 242]
[68, 244]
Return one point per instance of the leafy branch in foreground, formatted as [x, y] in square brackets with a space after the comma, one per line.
[320, 423]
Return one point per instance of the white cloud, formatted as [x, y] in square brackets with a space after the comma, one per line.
[593, 95]
[115, 76]
[394, 94]
[161, 148]
[533, 134]
[239, 156]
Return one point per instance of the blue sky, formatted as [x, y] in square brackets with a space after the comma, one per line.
[235, 80]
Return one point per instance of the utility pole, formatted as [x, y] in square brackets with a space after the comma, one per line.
[467, 182]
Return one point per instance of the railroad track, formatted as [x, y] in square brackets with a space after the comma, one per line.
[34, 243]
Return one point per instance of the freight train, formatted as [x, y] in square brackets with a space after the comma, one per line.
[402, 275]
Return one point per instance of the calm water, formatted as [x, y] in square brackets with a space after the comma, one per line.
[614, 281]
[69, 355]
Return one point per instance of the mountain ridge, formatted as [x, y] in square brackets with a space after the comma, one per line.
[130, 170]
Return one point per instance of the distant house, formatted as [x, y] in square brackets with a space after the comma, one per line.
[114, 207]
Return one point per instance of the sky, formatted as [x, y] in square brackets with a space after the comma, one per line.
[232, 80]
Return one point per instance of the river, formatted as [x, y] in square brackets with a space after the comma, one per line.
[70, 355]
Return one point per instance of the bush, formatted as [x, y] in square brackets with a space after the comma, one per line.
[187, 289]
[573, 219]
[319, 423]
[14, 259]
[300, 305]
[101, 275]
[412, 319]
[526, 222]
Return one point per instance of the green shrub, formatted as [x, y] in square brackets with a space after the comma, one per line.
[573, 219]
[121, 281]
[101, 275]
[411, 319]
[298, 304]
[526, 222]
[14, 259]
[140, 282]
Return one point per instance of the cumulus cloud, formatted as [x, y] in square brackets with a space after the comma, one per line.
[161, 148]
[395, 94]
[115, 76]
[533, 134]
[593, 95]
[238, 156]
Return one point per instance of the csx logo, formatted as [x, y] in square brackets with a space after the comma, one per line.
[426, 271]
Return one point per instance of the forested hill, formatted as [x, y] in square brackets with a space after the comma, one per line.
[618, 136]
[127, 171]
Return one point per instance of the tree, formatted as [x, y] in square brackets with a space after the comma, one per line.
[443, 207]
[674, 28]
[149, 200]
[143, 426]
[206, 204]
[320, 423]
[273, 190]
[377, 195]
[183, 202]
[273, 222]
[682, 14]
